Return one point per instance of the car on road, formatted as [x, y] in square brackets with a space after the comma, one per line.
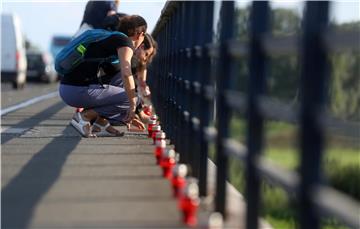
[58, 42]
[13, 51]
[40, 66]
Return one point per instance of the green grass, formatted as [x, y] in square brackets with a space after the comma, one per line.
[286, 158]
[341, 164]
[289, 158]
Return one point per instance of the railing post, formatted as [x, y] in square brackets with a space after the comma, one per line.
[223, 111]
[257, 84]
[169, 127]
[193, 74]
[205, 34]
[180, 86]
[314, 78]
[166, 83]
[188, 79]
[162, 73]
[175, 75]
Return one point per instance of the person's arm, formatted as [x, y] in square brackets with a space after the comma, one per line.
[125, 54]
[142, 77]
[144, 88]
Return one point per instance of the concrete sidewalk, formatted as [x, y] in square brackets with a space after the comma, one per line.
[53, 178]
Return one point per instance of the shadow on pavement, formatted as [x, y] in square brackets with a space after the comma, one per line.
[20, 198]
[33, 120]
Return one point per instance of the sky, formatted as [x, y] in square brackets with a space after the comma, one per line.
[41, 19]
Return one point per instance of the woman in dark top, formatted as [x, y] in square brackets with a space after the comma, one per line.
[104, 92]
[142, 56]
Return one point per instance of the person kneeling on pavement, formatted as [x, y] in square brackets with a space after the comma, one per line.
[105, 87]
[141, 59]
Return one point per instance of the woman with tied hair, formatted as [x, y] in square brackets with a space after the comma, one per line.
[143, 56]
[106, 93]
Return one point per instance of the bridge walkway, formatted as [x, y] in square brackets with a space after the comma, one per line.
[53, 178]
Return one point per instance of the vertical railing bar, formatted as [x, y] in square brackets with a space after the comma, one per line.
[173, 74]
[158, 79]
[161, 78]
[187, 78]
[257, 83]
[184, 76]
[208, 9]
[165, 88]
[314, 75]
[158, 92]
[175, 77]
[169, 127]
[223, 111]
[193, 98]
[180, 95]
[170, 77]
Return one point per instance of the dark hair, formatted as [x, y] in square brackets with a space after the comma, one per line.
[111, 23]
[120, 15]
[132, 25]
[149, 42]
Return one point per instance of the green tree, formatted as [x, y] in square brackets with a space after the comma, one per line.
[344, 89]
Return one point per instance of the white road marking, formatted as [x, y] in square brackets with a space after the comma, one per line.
[10, 130]
[28, 103]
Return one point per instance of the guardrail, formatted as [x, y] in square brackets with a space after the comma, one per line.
[185, 84]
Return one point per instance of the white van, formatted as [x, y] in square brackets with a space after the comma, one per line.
[13, 51]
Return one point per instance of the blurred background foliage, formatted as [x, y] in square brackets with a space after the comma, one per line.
[284, 72]
[341, 158]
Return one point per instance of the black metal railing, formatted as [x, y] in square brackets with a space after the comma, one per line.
[193, 70]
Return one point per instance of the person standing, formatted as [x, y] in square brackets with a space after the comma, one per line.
[95, 13]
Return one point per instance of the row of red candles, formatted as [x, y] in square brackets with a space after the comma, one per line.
[184, 187]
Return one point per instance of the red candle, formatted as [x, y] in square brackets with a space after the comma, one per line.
[151, 124]
[160, 136]
[155, 129]
[178, 180]
[159, 150]
[167, 163]
[189, 203]
[154, 117]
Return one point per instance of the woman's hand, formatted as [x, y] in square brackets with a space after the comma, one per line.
[144, 91]
[137, 123]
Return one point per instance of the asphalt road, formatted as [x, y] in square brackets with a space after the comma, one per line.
[10, 97]
[51, 177]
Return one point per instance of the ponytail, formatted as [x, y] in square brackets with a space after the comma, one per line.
[132, 25]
